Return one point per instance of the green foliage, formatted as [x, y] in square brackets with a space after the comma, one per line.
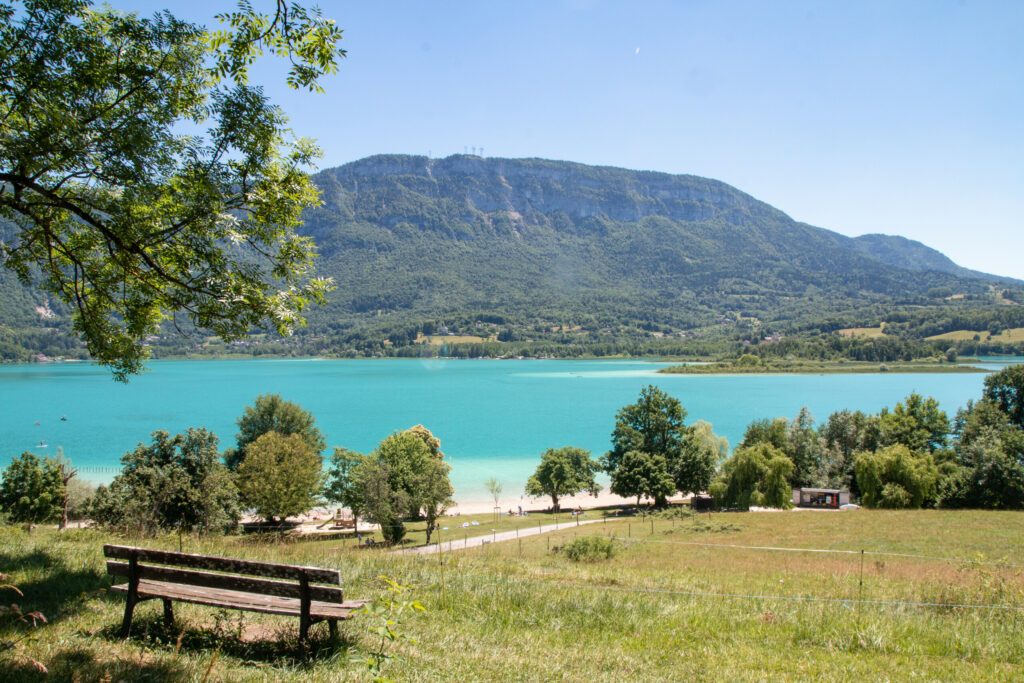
[654, 424]
[280, 476]
[384, 621]
[775, 488]
[563, 472]
[174, 483]
[798, 440]
[589, 549]
[755, 475]
[916, 423]
[32, 490]
[383, 503]
[845, 434]
[494, 488]
[341, 486]
[122, 215]
[1006, 388]
[643, 474]
[896, 477]
[987, 470]
[271, 413]
[702, 451]
[404, 477]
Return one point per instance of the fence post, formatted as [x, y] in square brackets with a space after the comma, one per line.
[629, 529]
[652, 525]
[861, 588]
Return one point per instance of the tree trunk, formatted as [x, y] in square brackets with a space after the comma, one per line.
[660, 501]
[554, 503]
[64, 511]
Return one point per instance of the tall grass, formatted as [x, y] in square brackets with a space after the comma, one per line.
[660, 609]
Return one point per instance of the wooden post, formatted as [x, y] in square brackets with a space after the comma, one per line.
[304, 618]
[332, 624]
[133, 594]
[168, 613]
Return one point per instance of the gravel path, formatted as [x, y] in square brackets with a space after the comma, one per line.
[451, 542]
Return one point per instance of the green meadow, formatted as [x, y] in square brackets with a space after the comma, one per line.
[729, 596]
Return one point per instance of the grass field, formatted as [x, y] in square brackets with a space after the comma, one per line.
[434, 340]
[813, 367]
[679, 601]
[1007, 336]
[869, 332]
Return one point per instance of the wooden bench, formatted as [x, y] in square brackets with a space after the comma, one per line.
[225, 582]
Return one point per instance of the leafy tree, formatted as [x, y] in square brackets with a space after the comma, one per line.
[916, 423]
[702, 451]
[563, 472]
[494, 488]
[384, 504]
[845, 434]
[1006, 389]
[642, 474]
[805, 448]
[32, 490]
[654, 425]
[754, 475]
[770, 431]
[280, 476]
[405, 476]
[775, 488]
[176, 482]
[896, 477]
[271, 413]
[415, 466]
[123, 215]
[341, 483]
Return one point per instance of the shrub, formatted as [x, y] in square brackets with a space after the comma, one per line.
[589, 549]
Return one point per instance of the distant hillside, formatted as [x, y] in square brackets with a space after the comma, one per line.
[594, 257]
[912, 255]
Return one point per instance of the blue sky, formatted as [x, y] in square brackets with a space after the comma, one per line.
[898, 117]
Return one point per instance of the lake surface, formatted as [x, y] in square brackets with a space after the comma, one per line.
[494, 418]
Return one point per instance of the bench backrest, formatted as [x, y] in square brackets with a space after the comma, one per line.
[225, 573]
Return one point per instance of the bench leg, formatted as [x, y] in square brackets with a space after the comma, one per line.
[304, 624]
[168, 613]
[126, 623]
[332, 624]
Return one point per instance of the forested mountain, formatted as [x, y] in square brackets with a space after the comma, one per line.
[598, 258]
[912, 255]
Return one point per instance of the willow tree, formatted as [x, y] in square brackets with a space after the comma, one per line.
[146, 179]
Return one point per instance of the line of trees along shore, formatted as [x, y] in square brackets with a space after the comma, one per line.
[913, 455]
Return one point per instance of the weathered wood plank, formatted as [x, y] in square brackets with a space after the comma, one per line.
[251, 602]
[231, 582]
[225, 564]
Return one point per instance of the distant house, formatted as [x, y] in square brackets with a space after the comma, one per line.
[828, 499]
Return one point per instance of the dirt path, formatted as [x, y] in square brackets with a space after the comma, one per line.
[451, 542]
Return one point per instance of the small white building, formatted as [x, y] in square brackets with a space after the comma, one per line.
[827, 499]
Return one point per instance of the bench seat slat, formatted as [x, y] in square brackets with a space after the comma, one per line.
[225, 564]
[267, 604]
[240, 583]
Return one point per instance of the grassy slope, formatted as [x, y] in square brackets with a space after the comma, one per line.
[1014, 334]
[814, 368]
[494, 614]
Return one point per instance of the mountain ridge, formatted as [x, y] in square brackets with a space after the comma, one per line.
[591, 256]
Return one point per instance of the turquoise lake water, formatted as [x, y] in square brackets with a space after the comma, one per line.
[494, 418]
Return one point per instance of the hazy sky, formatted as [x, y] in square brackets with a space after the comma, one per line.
[898, 117]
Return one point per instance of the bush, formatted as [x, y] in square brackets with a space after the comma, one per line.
[589, 549]
[174, 483]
